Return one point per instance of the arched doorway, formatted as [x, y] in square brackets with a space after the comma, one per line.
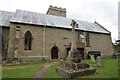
[54, 52]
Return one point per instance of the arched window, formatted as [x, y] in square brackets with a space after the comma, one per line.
[28, 40]
[87, 40]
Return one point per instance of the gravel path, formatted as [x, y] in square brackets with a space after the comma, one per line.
[46, 67]
[42, 72]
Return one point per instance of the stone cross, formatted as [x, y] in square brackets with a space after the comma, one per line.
[73, 45]
[74, 55]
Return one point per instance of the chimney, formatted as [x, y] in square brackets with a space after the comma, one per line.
[57, 11]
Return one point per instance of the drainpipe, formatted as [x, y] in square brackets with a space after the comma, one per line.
[84, 43]
[43, 42]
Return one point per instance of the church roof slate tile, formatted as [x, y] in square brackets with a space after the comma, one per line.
[27, 17]
[5, 18]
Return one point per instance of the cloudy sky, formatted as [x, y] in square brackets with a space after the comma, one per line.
[104, 12]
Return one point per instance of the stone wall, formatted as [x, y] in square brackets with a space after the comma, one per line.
[60, 38]
[11, 44]
[53, 37]
[100, 42]
[57, 11]
[37, 33]
[5, 39]
[57, 37]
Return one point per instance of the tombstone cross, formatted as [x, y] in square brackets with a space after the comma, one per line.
[73, 24]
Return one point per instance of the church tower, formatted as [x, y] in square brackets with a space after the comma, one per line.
[57, 11]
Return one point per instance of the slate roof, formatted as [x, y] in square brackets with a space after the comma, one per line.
[5, 18]
[27, 17]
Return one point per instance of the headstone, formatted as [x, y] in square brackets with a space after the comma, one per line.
[92, 58]
[99, 61]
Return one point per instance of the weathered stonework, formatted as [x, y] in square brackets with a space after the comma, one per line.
[55, 36]
[57, 11]
[102, 43]
[11, 45]
[75, 73]
[50, 34]
[5, 39]
[72, 66]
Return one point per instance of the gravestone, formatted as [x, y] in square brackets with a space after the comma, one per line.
[73, 66]
[92, 58]
[99, 61]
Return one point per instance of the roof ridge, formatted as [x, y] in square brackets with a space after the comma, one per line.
[6, 11]
[28, 11]
[54, 16]
[101, 26]
[35, 18]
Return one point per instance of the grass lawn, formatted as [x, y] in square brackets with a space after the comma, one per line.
[27, 72]
[52, 73]
[110, 70]
[27, 63]
[20, 73]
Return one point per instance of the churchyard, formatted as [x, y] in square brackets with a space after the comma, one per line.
[31, 69]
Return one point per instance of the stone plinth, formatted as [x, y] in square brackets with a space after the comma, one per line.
[73, 66]
[70, 73]
[76, 66]
[74, 56]
[71, 70]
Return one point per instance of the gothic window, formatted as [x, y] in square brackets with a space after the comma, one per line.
[87, 40]
[28, 40]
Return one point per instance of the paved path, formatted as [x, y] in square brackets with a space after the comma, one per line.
[46, 67]
[42, 72]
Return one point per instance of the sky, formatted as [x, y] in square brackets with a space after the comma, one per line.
[105, 12]
[119, 20]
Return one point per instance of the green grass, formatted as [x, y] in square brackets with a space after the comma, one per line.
[20, 73]
[52, 73]
[27, 63]
[110, 70]
[23, 72]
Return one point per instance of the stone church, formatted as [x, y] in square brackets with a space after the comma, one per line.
[29, 35]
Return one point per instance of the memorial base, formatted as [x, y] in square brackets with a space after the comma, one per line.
[70, 73]
[73, 66]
